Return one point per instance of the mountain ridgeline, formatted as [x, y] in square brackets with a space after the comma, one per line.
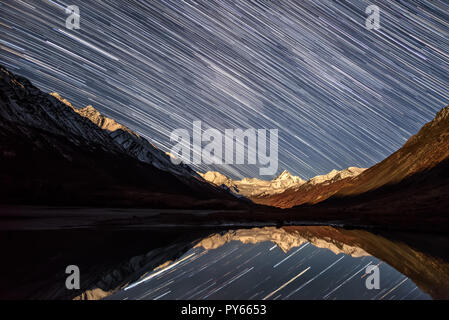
[53, 153]
[286, 190]
[414, 179]
[410, 186]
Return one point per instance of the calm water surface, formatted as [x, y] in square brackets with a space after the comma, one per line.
[271, 263]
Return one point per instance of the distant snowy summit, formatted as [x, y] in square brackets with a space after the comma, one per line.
[336, 175]
[257, 189]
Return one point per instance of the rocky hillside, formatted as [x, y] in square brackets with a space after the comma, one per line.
[414, 178]
[407, 190]
[127, 140]
[424, 151]
[54, 153]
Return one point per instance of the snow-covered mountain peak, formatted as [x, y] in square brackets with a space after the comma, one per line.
[283, 175]
[335, 175]
[287, 176]
[216, 178]
[103, 122]
[250, 187]
[64, 101]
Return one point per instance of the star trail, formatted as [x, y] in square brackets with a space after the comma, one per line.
[246, 272]
[339, 94]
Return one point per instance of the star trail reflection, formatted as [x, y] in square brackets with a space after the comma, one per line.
[244, 264]
[339, 94]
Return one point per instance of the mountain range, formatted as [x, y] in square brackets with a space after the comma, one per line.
[413, 180]
[52, 153]
[277, 192]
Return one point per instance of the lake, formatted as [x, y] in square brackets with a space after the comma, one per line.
[137, 254]
[317, 262]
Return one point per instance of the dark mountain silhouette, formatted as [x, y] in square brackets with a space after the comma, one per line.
[53, 153]
[418, 165]
[409, 189]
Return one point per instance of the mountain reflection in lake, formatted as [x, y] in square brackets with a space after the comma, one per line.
[291, 263]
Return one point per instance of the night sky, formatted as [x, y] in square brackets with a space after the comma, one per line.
[339, 94]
